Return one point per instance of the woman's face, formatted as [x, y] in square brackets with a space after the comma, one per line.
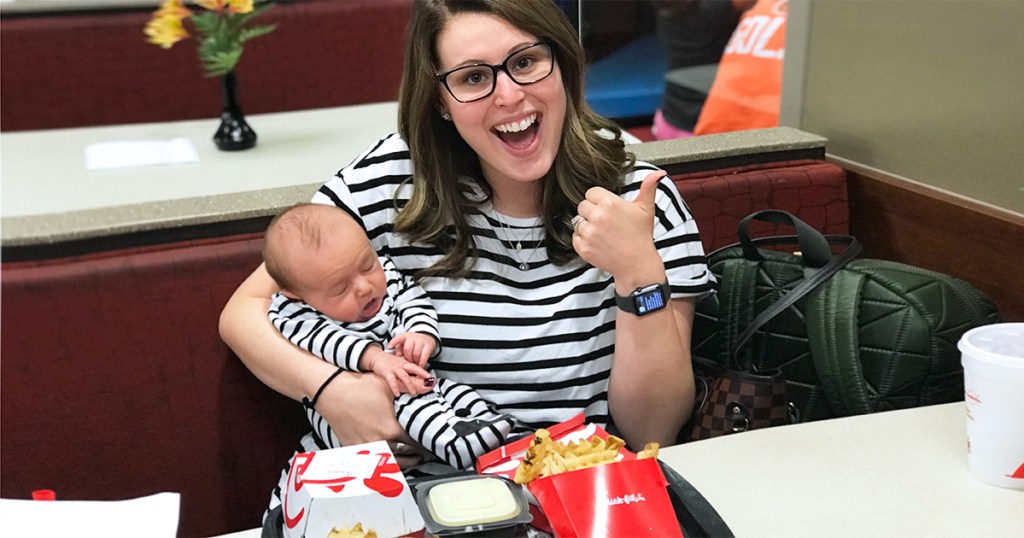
[516, 130]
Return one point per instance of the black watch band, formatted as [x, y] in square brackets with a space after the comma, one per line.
[645, 299]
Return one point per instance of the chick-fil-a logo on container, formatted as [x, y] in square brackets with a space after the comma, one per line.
[299, 465]
[629, 498]
[624, 499]
[335, 479]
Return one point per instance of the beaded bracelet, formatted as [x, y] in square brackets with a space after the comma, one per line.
[311, 404]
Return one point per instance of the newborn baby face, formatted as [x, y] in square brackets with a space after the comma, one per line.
[343, 279]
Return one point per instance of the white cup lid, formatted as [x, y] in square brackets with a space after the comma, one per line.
[1000, 343]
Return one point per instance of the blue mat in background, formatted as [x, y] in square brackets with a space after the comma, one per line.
[628, 82]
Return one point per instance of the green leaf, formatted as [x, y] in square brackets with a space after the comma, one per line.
[256, 31]
[221, 63]
[205, 22]
[244, 18]
[220, 36]
[213, 45]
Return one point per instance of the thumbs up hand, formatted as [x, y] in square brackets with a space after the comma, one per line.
[617, 235]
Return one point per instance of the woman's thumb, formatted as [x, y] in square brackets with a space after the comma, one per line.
[648, 188]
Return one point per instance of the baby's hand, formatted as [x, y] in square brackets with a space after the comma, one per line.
[414, 347]
[400, 374]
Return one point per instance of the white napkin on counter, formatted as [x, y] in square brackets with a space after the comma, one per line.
[155, 516]
[125, 154]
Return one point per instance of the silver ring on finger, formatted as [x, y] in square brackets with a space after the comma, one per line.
[576, 221]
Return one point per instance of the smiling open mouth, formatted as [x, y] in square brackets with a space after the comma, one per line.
[520, 134]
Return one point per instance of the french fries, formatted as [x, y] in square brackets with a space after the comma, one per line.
[650, 451]
[355, 532]
[546, 457]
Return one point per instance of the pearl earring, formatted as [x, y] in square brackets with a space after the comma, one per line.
[446, 116]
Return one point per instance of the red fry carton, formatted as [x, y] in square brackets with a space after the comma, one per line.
[625, 498]
[344, 486]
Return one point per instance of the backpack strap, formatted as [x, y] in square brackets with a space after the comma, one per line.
[814, 279]
[736, 286]
[832, 334]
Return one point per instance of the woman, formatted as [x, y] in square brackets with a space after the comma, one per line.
[497, 154]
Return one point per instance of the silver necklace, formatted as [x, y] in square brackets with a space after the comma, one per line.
[517, 246]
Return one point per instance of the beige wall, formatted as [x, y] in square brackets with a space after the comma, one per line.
[931, 90]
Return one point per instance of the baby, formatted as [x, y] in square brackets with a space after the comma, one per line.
[342, 302]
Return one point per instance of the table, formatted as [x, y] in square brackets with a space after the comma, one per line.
[33, 6]
[49, 195]
[897, 473]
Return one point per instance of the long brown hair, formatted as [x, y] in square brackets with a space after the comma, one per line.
[441, 158]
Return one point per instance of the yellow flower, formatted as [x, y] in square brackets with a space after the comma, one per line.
[212, 5]
[234, 6]
[239, 6]
[173, 8]
[221, 28]
[165, 31]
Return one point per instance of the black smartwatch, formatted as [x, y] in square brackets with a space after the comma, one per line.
[645, 299]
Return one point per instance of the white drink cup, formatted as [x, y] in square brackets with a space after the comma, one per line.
[993, 359]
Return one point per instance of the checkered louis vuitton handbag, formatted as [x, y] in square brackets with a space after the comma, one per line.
[741, 397]
[737, 401]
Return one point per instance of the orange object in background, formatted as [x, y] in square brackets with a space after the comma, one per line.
[746, 93]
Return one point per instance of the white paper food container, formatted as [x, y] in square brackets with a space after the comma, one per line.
[344, 486]
[993, 359]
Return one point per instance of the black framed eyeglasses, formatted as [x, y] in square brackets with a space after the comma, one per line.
[527, 65]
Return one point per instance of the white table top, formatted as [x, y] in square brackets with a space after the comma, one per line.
[42, 6]
[898, 473]
[49, 196]
[55, 159]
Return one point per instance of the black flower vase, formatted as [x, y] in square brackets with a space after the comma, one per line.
[234, 133]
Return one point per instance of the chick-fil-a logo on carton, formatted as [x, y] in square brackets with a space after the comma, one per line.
[335, 475]
[626, 498]
[629, 498]
[299, 465]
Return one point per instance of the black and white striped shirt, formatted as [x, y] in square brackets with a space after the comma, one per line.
[432, 419]
[404, 308]
[538, 343]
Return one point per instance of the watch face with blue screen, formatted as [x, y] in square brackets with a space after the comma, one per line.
[645, 299]
[648, 299]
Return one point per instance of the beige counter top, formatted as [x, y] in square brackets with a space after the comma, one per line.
[894, 473]
[43, 6]
[50, 197]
